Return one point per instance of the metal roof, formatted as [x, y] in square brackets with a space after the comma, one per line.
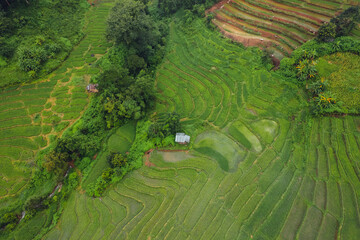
[181, 138]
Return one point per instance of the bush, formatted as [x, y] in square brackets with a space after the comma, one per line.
[36, 203]
[30, 59]
[7, 219]
[327, 32]
[117, 160]
[166, 124]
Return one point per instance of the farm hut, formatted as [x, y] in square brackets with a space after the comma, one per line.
[182, 138]
[92, 88]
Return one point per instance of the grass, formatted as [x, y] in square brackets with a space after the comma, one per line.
[341, 71]
[122, 139]
[220, 148]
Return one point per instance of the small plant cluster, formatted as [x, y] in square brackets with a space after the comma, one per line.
[119, 166]
[165, 124]
[167, 7]
[30, 59]
[302, 66]
[322, 100]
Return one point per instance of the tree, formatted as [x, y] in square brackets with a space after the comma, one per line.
[135, 63]
[56, 162]
[327, 32]
[339, 26]
[129, 23]
[117, 160]
[166, 124]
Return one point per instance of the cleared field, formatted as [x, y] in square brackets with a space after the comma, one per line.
[34, 114]
[281, 26]
[290, 179]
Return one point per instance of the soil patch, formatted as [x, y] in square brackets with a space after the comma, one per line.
[174, 155]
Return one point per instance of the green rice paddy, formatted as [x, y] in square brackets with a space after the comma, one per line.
[262, 170]
[33, 115]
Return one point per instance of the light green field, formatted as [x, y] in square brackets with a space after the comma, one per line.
[342, 73]
[291, 177]
[33, 115]
[220, 148]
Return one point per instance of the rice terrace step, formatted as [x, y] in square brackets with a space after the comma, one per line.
[280, 26]
[262, 163]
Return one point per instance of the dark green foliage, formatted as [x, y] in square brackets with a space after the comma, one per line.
[117, 160]
[6, 29]
[130, 24]
[36, 37]
[8, 220]
[171, 6]
[56, 162]
[340, 25]
[139, 36]
[30, 59]
[166, 124]
[327, 32]
[124, 97]
[107, 175]
[36, 202]
[346, 21]
[135, 63]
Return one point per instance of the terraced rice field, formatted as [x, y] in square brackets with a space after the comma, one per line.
[288, 177]
[34, 115]
[279, 25]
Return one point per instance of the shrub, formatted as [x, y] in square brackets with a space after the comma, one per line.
[8, 218]
[306, 70]
[30, 59]
[166, 124]
[117, 160]
[327, 32]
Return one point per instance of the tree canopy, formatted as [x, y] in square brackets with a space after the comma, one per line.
[129, 23]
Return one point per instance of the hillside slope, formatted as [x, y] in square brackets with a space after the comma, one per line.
[292, 176]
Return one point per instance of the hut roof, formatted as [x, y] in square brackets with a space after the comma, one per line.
[92, 87]
[182, 138]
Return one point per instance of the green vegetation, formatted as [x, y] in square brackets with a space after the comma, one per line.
[340, 25]
[259, 165]
[34, 44]
[167, 7]
[307, 66]
[301, 182]
[34, 115]
[220, 148]
[341, 71]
